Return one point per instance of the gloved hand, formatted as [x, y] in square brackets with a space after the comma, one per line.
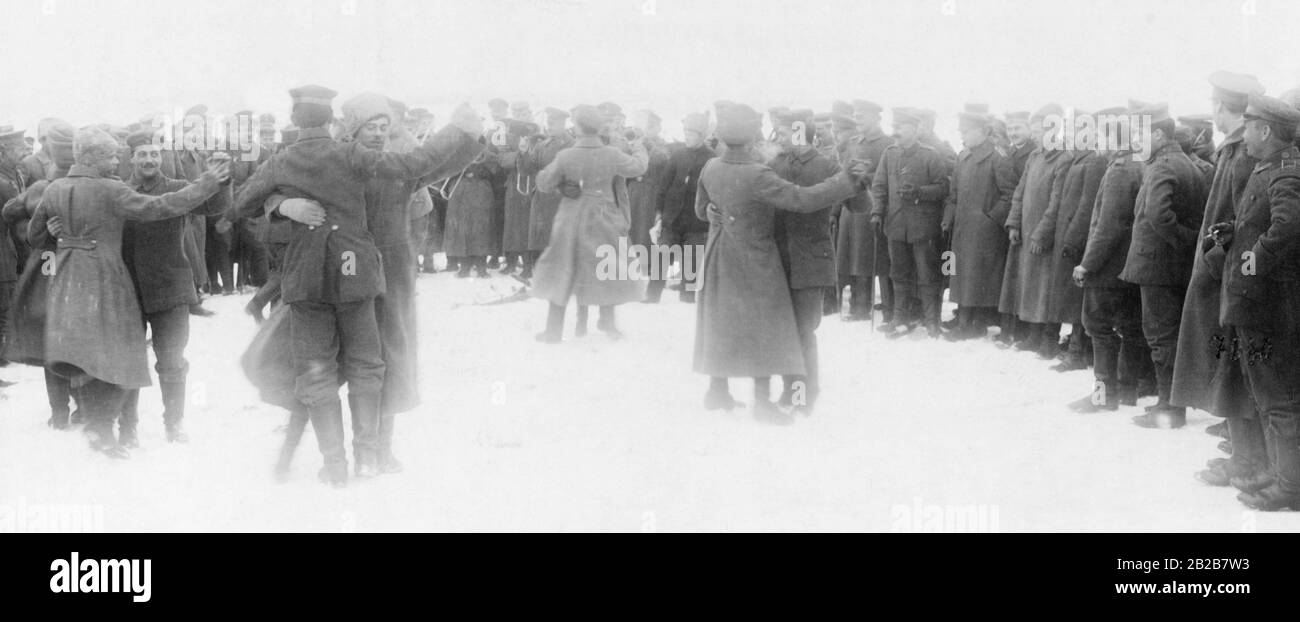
[54, 224]
[1221, 233]
[909, 192]
[220, 173]
[305, 211]
[222, 226]
[570, 189]
[1013, 235]
[468, 121]
[877, 223]
[1080, 273]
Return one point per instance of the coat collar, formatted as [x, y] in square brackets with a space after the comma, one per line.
[1164, 150]
[1290, 153]
[313, 133]
[588, 142]
[81, 170]
[977, 154]
[1232, 139]
[738, 155]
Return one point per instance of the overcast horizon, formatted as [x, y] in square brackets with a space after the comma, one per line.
[671, 56]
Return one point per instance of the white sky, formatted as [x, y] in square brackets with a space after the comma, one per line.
[114, 60]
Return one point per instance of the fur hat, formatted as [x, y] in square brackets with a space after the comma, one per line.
[93, 147]
[739, 125]
[364, 108]
[58, 137]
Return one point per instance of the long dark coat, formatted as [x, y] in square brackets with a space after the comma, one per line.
[1201, 379]
[94, 323]
[643, 193]
[541, 215]
[856, 247]
[1267, 297]
[1026, 292]
[1082, 180]
[27, 310]
[473, 227]
[587, 227]
[518, 199]
[976, 214]
[804, 239]
[744, 320]
[1166, 220]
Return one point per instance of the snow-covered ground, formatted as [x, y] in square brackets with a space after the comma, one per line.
[594, 434]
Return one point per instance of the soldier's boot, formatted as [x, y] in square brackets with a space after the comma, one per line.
[1221, 473]
[1049, 343]
[654, 291]
[1219, 429]
[103, 402]
[463, 267]
[554, 325]
[1284, 492]
[607, 324]
[580, 325]
[1265, 476]
[512, 262]
[1104, 399]
[1033, 342]
[1170, 417]
[364, 410]
[292, 437]
[764, 410]
[1128, 395]
[57, 390]
[327, 420]
[492, 262]
[129, 421]
[480, 271]
[530, 261]
[173, 396]
[718, 397]
[388, 463]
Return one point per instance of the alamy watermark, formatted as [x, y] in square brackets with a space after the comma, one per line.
[23, 517]
[1103, 132]
[921, 517]
[635, 262]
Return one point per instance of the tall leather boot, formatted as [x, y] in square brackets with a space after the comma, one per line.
[554, 325]
[298, 418]
[128, 424]
[718, 397]
[58, 390]
[606, 324]
[103, 402]
[327, 420]
[388, 463]
[364, 410]
[173, 396]
[1284, 492]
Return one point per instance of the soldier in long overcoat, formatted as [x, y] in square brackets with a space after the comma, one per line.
[745, 322]
[591, 220]
[94, 333]
[975, 214]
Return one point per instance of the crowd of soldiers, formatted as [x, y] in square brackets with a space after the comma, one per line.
[1173, 261]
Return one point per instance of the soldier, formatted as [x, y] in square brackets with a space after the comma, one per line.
[859, 252]
[186, 160]
[472, 237]
[643, 191]
[274, 234]
[804, 243]
[40, 165]
[1166, 223]
[245, 248]
[1203, 377]
[1027, 282]
[590, 221]
[1021, 143]
[333, 270]
[518, 188]
[11, 185]
[907, 194]
[25, 341]
[1185, 136]
[541, 213]
[1202, 126]
[1112, 308]
[680, 227]
[94, 335]
[745, 323]
[975, 213]
[266, 133]
[1064, 243]
[155, 258]
[1261, 295]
